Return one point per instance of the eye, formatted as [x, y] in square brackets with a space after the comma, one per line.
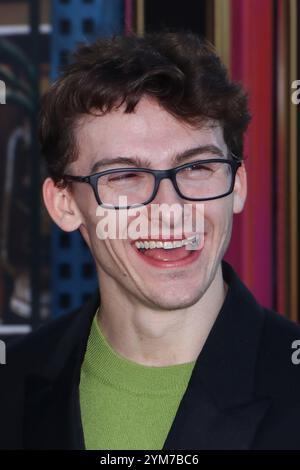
[200, 166]
[119, 177]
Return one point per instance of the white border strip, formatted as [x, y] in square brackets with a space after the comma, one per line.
[14, 329]
[19, 29]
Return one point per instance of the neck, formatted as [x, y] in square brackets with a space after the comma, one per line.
[158, 337]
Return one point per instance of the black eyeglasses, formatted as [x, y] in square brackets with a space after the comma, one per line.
[200, 180]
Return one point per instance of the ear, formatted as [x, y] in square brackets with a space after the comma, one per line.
[240, 190]
[61, 206]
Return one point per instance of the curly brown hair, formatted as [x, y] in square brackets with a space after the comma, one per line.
[178, 69]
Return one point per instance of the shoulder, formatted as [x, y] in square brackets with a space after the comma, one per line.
[52, 340]
[277, 377]
[28, 353]
[279, 332]
[279, 360]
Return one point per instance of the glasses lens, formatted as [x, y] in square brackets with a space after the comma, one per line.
[205, 180]
[125, 187]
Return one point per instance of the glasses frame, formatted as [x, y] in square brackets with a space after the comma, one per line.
[159, 175]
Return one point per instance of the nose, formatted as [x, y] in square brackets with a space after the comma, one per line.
[169, 209]
[166, 193]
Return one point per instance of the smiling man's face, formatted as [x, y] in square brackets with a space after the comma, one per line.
[153, 137]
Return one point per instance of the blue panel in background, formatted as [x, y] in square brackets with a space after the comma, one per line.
[73, 22]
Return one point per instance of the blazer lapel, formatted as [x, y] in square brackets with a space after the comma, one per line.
[201, 425]
[220, 409]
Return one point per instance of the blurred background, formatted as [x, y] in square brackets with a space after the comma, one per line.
[45, 272]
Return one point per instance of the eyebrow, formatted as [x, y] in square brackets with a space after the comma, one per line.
[177, 159]
[200, 150]
[130, 161]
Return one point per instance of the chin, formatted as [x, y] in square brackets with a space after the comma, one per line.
[170, 300]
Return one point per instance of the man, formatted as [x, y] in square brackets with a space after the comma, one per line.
[173, 352]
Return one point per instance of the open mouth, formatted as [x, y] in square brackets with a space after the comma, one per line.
[170, 253]
[190, 243]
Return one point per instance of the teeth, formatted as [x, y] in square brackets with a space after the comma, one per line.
[193, 242]
[168, 245]
[190, 243]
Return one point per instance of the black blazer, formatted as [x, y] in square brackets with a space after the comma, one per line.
[244, 391]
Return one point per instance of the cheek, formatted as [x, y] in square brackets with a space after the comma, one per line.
[218, 215]
[86, 201]
[218, 225]
[109, 251]
[89, 229]
[111, 258]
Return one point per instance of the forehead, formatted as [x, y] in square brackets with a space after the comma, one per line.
[149, 132]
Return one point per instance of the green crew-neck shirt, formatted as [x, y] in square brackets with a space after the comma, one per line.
[126, 405]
